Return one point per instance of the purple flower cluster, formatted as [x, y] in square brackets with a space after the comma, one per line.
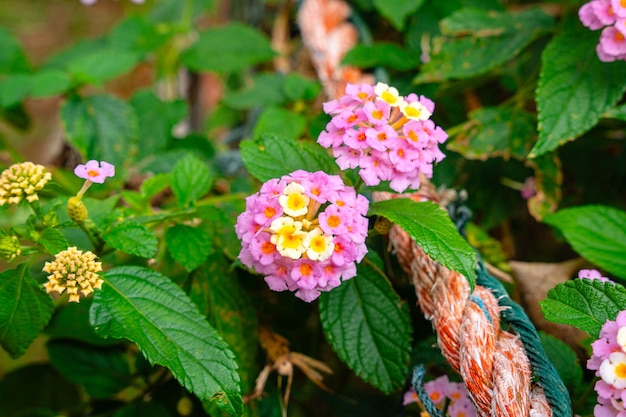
[610, 16]
[304, 232]
[388, 136]
[441, 389]
[609, 362]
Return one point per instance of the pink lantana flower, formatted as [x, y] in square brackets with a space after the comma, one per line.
[592, 274]
[610, 16]
[386, 136]
[304, 232]
[95, 171]
[445, 395]
[609, 362]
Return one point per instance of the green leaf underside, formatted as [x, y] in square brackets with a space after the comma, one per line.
[496, 131]
[433, 231]
[229, 48]
[188, 245]
[272, 157]
[102, 127]
[479, 41]
[131, 305]
[191, 179]
[383, 54]
[369, 327]
[133, 238]
[103, 372]
[575, 88]
[584, 304]
[25, 309]
[596, 232]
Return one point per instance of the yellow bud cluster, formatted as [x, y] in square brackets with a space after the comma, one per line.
[77, 210]
[74, 271]
[22, 181]
[10, 247]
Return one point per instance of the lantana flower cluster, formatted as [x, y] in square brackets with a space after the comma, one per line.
[73, 271]
[610, 16]
[21, 181]
[445, 393]
[305, 232]
[387, 136]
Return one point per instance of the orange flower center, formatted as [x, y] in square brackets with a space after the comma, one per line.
[333, 221]
[306, 269]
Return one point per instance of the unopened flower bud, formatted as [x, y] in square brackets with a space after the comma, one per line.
[77, 210]
[22, 181]
[75, 272]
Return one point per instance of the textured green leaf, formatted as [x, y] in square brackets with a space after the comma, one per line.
[188, 245]
[229, 309]
[266, 89]
[102, 127]
[279, 122]
[272, 157]
[433, 231]
[142, 409]
[369, 327]
[495, 131]
[191, 179]
[101, 371]
[564, 359]
[97, 66]
[53, 240]
[397, 10]
[584, 304]
[228, 48]
[133, 238]
[147, 308]
[381, 54]
[25, 309]
[596, 232]
[476, 41]
[156, 119]
[575, 88]
[12, 56]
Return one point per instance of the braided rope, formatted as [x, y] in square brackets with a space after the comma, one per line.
[493, 362]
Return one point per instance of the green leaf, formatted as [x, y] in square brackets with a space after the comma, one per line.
[381, 54]
[155, 184]
[279, 122]
[369, 327]
[191, 179]
[71, 321]
[48, 83]
[53, 240]
[597, 233]
[272, 157]
[495, 132]
[147, 308]
[142, 409]
[618, 113]
[12, 56]
[397, 10]
[133, 238]
[228, 49]
[477, 41]
[188, 245]
[103, 372]
[156, 118]
[138, 35]
[97, 66]
[25, 309]
[266, 89]
[564, 359]
[548, 181]
[14, 88]
[431, 228]
[228, 307]
[102, 127]
[298, 87]
[585, 304]
[575, 88]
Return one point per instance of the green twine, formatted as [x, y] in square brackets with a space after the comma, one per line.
[417, 380]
